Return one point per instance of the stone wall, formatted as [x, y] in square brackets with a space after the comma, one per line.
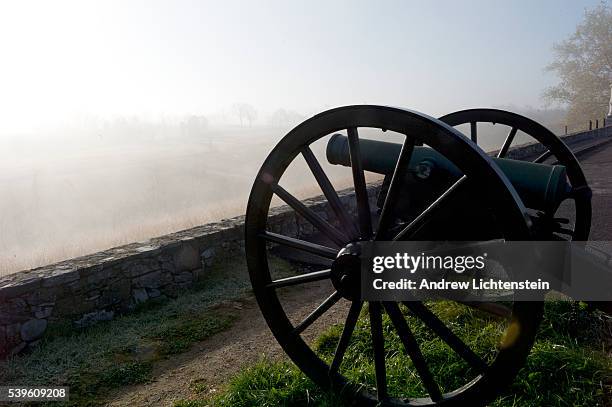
[572, 140]
[99, 286]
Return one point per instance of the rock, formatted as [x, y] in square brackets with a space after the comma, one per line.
[43, 312]
[208, 253]
[147, 248]
[153, 292]
[119, 289]
[74, 305]
[8, 317]
[140, 267]
[166, 278]
[184, 277]
[16, 288]
[167, 265]
[65, 306]
[187, 258]
[33, 329]
[93, 317]
[111, 297]
[140, 295]
[207, 257]
[61, 276]
[100, 277]
[150, 280]
[41, 296]
[18, 305]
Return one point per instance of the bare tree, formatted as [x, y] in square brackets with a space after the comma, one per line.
[583, 63]
[194, 125]
[285, 118]
[245, 112]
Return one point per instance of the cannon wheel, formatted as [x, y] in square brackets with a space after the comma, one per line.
[556, 149]
[477, 167]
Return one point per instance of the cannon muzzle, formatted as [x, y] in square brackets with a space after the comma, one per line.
[540, 186]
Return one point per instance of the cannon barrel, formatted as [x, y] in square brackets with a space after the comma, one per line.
[540, 186]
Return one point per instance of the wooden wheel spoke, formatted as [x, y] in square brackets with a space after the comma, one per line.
[413, 350]
[345, 338]
[394, 188]
[474, 132]
[314, 315]
[303, 245]
[332, 233]
[440, 328]
[507, 143]
[378, 343]
[330, 193]
[300, 279]
[361, 191]
[432, 210]
[565, 231]
[543, 157]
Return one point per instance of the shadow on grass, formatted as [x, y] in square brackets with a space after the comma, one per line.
[567, 366]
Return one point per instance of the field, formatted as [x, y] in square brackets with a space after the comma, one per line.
[66, 195]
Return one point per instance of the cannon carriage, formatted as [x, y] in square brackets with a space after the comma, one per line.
[438, 185]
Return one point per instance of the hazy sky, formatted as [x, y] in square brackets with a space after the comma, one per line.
[109, 58]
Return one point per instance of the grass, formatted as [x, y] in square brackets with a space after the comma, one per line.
[95, 360]
[178, 335]
[268, 384]
[567, 367]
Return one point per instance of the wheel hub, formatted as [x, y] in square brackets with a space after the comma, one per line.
[346, 272]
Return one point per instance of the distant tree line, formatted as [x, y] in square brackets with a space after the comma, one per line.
[245, 113]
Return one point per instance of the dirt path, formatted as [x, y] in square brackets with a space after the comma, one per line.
[212, 362]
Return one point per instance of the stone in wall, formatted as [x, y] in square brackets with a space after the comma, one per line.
[93, 318]
[206, 257]
[152, 279]
[140, 295]
[33, 329]
[187, 257]
[184, 278]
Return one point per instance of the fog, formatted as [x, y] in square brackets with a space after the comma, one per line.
[88, 189]
[124, 120]
[101, 183]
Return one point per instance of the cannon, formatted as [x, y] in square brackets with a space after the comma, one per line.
[540, 186]
[438, 185]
